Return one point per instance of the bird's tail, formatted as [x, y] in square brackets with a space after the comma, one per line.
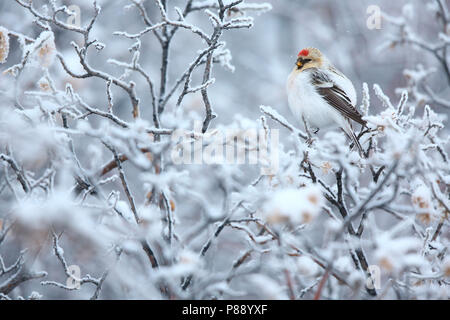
[357, 144]
[351, 134]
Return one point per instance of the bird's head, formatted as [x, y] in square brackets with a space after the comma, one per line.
[309, 58]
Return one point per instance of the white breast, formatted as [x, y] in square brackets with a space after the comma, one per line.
[305, 101]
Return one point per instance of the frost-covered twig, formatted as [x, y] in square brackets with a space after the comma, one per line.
[59, 253]
[19, 172]
[281, 120]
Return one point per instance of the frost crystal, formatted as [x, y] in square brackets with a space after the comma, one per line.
[43, 50]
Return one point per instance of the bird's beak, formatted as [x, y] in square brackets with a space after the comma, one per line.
[299, 64]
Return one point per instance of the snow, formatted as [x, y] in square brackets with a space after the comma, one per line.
[394, 254]
[306, 266]
[296, 206]
[43, 50]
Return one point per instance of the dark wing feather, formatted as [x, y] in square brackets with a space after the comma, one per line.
[335, 96]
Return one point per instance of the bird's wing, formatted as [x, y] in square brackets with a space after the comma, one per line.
[335, 95]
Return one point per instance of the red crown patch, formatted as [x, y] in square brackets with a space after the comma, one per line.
[303, 53]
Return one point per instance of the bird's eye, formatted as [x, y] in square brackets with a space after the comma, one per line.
[301, 62]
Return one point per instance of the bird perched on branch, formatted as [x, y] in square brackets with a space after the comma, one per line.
[321, 95]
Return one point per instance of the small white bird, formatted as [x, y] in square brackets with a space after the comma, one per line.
[322, 95]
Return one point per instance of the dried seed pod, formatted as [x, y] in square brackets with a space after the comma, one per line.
[4, 44]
